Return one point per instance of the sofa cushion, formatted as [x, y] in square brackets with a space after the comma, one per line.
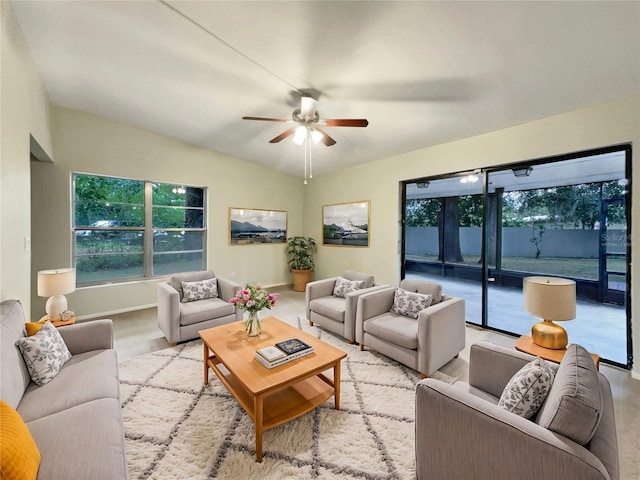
[574, 403]
[176, 280]
[527, 389]
[34, 327]
[330, 307]
[44, 353]
[344, 287]
[410, 304]
[86, 377]
[203, 310]
[369, 280]
[14, 374]
[19, 454]
[82, 442]
[194, 291]
[395, 329]
[424, 287]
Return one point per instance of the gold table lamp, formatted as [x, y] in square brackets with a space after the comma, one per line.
[551, 299]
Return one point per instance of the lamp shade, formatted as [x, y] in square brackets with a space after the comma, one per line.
[550, 298]
[56, 282]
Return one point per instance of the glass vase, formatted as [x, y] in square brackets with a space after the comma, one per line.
[253, 324]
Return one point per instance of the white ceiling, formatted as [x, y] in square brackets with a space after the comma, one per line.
[422, 73]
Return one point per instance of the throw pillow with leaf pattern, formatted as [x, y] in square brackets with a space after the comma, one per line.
[44, 354]
[343, 287]
[193, 291]
[410, 304]
[528, 388]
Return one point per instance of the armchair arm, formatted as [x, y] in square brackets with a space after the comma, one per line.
[459, 435]
[88, 336]
[441, 334]
[318, 289]
[492, 366]
[351, 308]
[169, 312]
[227, 289]
[371, 304]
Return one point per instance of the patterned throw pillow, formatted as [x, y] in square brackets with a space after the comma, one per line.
[410, 304]
[199, 290]
[44, 353]
[526, 391]
[343, 287]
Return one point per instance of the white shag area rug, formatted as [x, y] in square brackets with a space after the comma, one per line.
[177, 428]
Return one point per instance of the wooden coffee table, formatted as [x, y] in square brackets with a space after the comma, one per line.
[274, 396]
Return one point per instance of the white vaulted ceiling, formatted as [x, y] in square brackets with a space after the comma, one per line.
[422, 73]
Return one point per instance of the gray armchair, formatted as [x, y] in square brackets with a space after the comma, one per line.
[334, 313]
[425, 343]
[461, 432]
[181, 321]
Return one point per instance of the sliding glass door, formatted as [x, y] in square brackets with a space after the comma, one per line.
[443, 236]
[565, 217]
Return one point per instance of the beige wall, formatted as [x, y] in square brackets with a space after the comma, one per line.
[87, 143]
[599, 126]
[25, 112]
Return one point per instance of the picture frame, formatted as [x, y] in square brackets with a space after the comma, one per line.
[256, 226]
[346, 224]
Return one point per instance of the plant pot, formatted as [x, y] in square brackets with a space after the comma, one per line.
[300, 279]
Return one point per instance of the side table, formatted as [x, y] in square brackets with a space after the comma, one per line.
[525, 344]
[62, 323]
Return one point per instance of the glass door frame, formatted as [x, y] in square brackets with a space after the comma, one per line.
[485, 270]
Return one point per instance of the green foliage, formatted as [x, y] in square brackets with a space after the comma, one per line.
[573, 206]
[300, 251]
[470, 210]
[331, 231]
[423, 212]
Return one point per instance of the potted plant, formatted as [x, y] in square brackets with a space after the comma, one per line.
[300, 251]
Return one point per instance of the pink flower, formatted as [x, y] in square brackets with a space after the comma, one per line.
[234, 300]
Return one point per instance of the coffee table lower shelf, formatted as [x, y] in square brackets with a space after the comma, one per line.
[277, 407]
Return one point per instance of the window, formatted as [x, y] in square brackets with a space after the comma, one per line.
[129, 229]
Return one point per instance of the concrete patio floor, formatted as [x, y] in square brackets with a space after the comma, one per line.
[600, 328]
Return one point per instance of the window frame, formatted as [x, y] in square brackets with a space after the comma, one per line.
[148, 230]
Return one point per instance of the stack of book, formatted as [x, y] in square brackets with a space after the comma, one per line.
[283, 352]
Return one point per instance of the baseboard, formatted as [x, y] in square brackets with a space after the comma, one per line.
[115, 312]
[635, 375]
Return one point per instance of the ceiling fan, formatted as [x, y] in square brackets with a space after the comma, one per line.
[307, 123]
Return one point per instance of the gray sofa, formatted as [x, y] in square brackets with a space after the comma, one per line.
[181, 321]
[425, 343]
[462, 432]
[75, 419]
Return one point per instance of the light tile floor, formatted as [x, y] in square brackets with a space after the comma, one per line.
[599, 328]
[137, 333]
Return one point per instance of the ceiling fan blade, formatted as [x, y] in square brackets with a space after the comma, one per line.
[265, 119]
[346, 122]
[283, 135]
[326, 139]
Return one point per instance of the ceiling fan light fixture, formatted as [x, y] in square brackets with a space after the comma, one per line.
[316, 136]
[300, 135]
[308, 107]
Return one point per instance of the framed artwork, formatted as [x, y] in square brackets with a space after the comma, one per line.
[346, 224]
[250, 226]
